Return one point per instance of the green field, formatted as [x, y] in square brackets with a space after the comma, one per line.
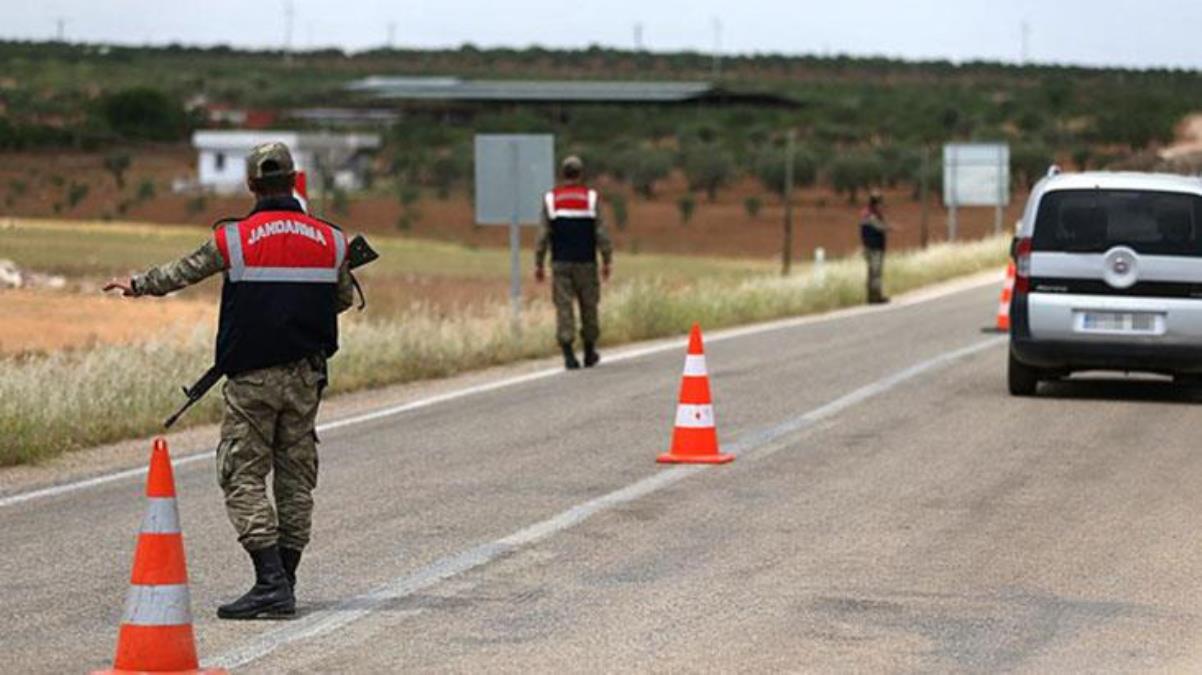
[406, 266]
[102, 249]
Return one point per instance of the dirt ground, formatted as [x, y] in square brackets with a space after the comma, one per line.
[720, 228]
[41, 321]
[46, 321]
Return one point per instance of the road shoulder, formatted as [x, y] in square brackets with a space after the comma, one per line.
[130, 455]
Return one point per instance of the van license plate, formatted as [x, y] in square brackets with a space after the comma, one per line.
[1119, 322]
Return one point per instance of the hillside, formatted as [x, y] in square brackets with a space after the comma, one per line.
[100, 132]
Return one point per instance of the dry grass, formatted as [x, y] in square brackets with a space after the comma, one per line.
[56, 403]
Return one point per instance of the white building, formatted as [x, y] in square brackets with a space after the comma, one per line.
[221, 165]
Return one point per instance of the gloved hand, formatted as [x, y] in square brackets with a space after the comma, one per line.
[540, 274]
[606, 269]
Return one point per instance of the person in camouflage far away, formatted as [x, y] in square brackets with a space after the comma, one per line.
[573, 231]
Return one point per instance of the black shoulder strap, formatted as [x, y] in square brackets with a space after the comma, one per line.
[336, 226]
[359, 289]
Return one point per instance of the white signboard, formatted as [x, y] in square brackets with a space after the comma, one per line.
[513, 172]
[976, 174]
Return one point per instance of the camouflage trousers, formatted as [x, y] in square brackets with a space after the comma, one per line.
[269, 427]
[876, 272]
[573, 283]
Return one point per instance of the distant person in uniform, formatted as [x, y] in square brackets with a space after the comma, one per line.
[286, 279]
[573, 230]
[873, 235]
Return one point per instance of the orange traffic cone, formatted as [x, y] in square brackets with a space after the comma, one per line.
[1003, 310]
[156, 631]
[695, 439]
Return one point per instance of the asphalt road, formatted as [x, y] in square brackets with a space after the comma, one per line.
[891, 509]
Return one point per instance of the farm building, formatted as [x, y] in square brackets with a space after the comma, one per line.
[445, 90]
[221, 162]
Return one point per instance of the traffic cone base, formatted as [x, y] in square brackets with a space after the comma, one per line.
[669, 458]
[695, 436]
[156, 631]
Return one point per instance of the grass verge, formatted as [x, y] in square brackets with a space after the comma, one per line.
[65, 401]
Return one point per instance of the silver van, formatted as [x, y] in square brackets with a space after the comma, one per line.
[1109, 277]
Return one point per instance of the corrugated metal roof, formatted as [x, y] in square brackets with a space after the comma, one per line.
[238, 139]
[444, 88]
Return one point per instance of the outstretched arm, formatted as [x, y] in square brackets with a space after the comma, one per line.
[190, 269]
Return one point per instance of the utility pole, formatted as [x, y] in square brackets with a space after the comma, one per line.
[1026, 41]
[717, 48]
[924, 191]
[638, 37]
[61, 29]
[391, 35]
[289, 15]
[786, 254]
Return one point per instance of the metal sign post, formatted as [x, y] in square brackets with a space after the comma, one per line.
[975, 174]
[1003, 187]
[513, 172]
[515, 241]
[786, 252]
[950, 168]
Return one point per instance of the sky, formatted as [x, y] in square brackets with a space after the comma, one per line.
[1151, 33]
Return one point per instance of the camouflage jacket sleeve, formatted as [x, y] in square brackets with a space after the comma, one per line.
[197, 266]
[876, 222]
[604, 244]
[346, 288]
[544, 238]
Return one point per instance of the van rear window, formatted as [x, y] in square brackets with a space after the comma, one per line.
[1093, 221]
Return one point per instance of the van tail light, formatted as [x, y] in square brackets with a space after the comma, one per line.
[1022, 265]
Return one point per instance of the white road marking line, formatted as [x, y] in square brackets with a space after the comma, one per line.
[919, 297]
[760, 444]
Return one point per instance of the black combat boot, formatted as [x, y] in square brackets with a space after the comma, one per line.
[290, 557]
[271, 596]
[591, 357]
[569, 356]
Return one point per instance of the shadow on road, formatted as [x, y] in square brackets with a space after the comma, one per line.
[1118, 388]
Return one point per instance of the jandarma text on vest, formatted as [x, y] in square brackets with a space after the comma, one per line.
[286, 227]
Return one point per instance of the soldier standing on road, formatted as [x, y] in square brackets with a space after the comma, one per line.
[873, 231]
[573, 230]
[286, 281]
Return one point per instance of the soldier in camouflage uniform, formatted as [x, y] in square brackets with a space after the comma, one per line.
[873, 235]
[573, 231]
[286, 280]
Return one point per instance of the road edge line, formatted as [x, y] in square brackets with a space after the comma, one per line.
[758, 443]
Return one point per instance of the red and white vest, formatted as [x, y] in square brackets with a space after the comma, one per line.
[279, 303]
[572, 212]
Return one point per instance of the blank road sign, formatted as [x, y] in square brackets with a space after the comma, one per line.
[976, 174]
[513, 172]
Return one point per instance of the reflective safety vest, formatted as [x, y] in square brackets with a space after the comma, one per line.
[871, 236]
[572, 212]
[279, 303]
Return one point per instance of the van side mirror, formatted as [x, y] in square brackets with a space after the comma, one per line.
[1014, 248]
